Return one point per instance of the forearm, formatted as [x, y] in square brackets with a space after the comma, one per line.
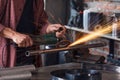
[7, 33]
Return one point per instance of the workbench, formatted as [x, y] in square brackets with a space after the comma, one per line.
[43, 73]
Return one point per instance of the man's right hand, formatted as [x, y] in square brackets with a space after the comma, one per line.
[22, 40]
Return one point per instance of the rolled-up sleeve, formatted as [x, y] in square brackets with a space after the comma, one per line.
[43, 29]
[41, 17]
[43, 20]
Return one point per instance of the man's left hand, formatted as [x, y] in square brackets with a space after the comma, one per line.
[58, 29]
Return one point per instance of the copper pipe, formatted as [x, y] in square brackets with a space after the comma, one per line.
[37, 52]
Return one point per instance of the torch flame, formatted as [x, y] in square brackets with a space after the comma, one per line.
[93, 35]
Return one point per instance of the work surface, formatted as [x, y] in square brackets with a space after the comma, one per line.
[43, 73]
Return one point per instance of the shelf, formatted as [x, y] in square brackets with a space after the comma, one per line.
[90, 32]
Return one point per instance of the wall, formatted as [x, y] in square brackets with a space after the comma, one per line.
[57, 11]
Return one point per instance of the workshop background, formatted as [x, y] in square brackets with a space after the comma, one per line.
[97, 58]
[67, 12]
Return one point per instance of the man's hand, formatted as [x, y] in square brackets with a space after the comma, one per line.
[59, 29]
[22, 40]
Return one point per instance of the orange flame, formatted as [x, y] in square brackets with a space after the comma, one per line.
[93, 35]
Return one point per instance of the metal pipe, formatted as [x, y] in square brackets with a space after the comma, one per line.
[18, 69]
[37, 52]
[17, 76]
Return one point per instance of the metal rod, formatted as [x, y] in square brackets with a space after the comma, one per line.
[17, 76]
[17, 69]
[37, 52]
